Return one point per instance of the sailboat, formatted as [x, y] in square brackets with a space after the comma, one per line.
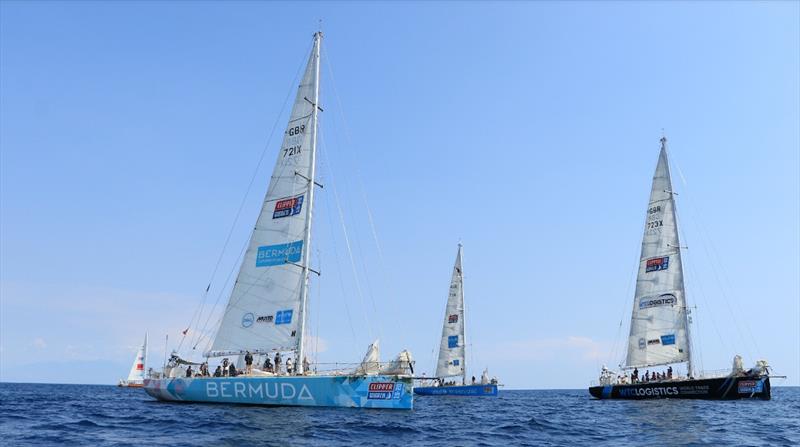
[452, 361]
[659, 330]
[136, 376]
[267, 309]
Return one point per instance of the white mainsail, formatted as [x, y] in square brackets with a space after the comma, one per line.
[452, 350]
[137, 369]
[659, 328]
[266, 306]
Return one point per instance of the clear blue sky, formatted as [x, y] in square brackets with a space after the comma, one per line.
[529, 131]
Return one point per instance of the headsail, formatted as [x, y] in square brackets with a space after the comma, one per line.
[452, 350]
[659, 330]
[137, 369]
[265, 307]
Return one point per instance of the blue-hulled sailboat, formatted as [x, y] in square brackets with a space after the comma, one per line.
[451, 366]
[267, 309]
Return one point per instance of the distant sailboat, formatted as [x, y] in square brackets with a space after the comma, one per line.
[452, 362]
[659, 331]
[267, 310]
[136, 376]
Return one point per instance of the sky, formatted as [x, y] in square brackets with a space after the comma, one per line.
[130, 131]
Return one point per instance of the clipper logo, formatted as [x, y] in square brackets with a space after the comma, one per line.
[751, 386]
[665, 299]
[385, 390]
[452, 318]
[656, 264]
[288, 207]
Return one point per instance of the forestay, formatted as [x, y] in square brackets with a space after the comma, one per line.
[264, 310]
[452, 348]
[659, 332]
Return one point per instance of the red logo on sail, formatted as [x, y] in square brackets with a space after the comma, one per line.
[452, 318]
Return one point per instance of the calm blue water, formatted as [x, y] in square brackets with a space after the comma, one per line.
[32, 414]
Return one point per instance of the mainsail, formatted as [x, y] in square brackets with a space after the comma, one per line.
[452, 350]
[266, 306]
[659, 328]
[137, 369]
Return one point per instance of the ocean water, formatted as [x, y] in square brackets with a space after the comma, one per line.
[36, 414]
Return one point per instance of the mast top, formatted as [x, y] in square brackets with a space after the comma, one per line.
[663, 141]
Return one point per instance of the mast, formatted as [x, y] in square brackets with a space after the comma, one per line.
[309, 208]
[464, 312]
[689, 365]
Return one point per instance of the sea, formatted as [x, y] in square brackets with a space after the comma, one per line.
[97, 415]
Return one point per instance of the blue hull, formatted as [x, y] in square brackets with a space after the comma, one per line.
[463, 390]
[309, 391]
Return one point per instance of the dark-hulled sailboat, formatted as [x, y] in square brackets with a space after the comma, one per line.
[659, 332]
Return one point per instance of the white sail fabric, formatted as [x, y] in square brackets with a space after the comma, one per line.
[137, 369]
[452, 351]
[263, 312]
[372, 360]
[659, 333]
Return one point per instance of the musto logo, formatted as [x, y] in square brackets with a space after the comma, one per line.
[665, 299]
[643, 392]
[385, 390]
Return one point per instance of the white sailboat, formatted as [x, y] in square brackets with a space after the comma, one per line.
[452, 360]
[136, 375]
[659, 329]
[267, 309]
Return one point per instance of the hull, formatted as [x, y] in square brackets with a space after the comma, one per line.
[462, 390]
[308, 391]
[721, 388]
[130, 385]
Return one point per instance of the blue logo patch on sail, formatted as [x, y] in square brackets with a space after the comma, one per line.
[288, 207]
[284, 316]
[668, 339]
[452, 341]
[279, 254]
[656, 264]
[456, 362]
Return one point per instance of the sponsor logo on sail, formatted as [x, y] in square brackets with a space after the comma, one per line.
[452, 318]
[269, 255]
[247, 319]
[642, 343]
[265, 319]
[653, 341]
[668, 339]
[288, 207]
[656, 264]
[456, 362]
[665, 299]
[452, 341]
[284, 316]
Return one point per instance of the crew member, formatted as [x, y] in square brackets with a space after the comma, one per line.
[248, 362]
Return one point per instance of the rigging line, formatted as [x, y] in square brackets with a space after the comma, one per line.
[346, 237]
[714, 260]
[362, 189]
[331, 226]
[247, 193]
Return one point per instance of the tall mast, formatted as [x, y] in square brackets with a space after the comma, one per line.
[689, 366]
[464, 312]
[309, 208]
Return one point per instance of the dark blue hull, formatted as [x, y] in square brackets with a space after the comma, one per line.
[460, 390]
[721, 388]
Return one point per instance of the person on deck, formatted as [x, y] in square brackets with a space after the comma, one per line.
[669, 373]
[189, 371]
[277, 363]
[473, 380]
[248, 363]
[268, 365]
[232, 371]
[635, 377]
[289, 366]
[225, 367]
[218, 371]
[306, 366]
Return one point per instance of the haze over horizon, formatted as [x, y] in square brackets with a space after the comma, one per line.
[129, 133]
